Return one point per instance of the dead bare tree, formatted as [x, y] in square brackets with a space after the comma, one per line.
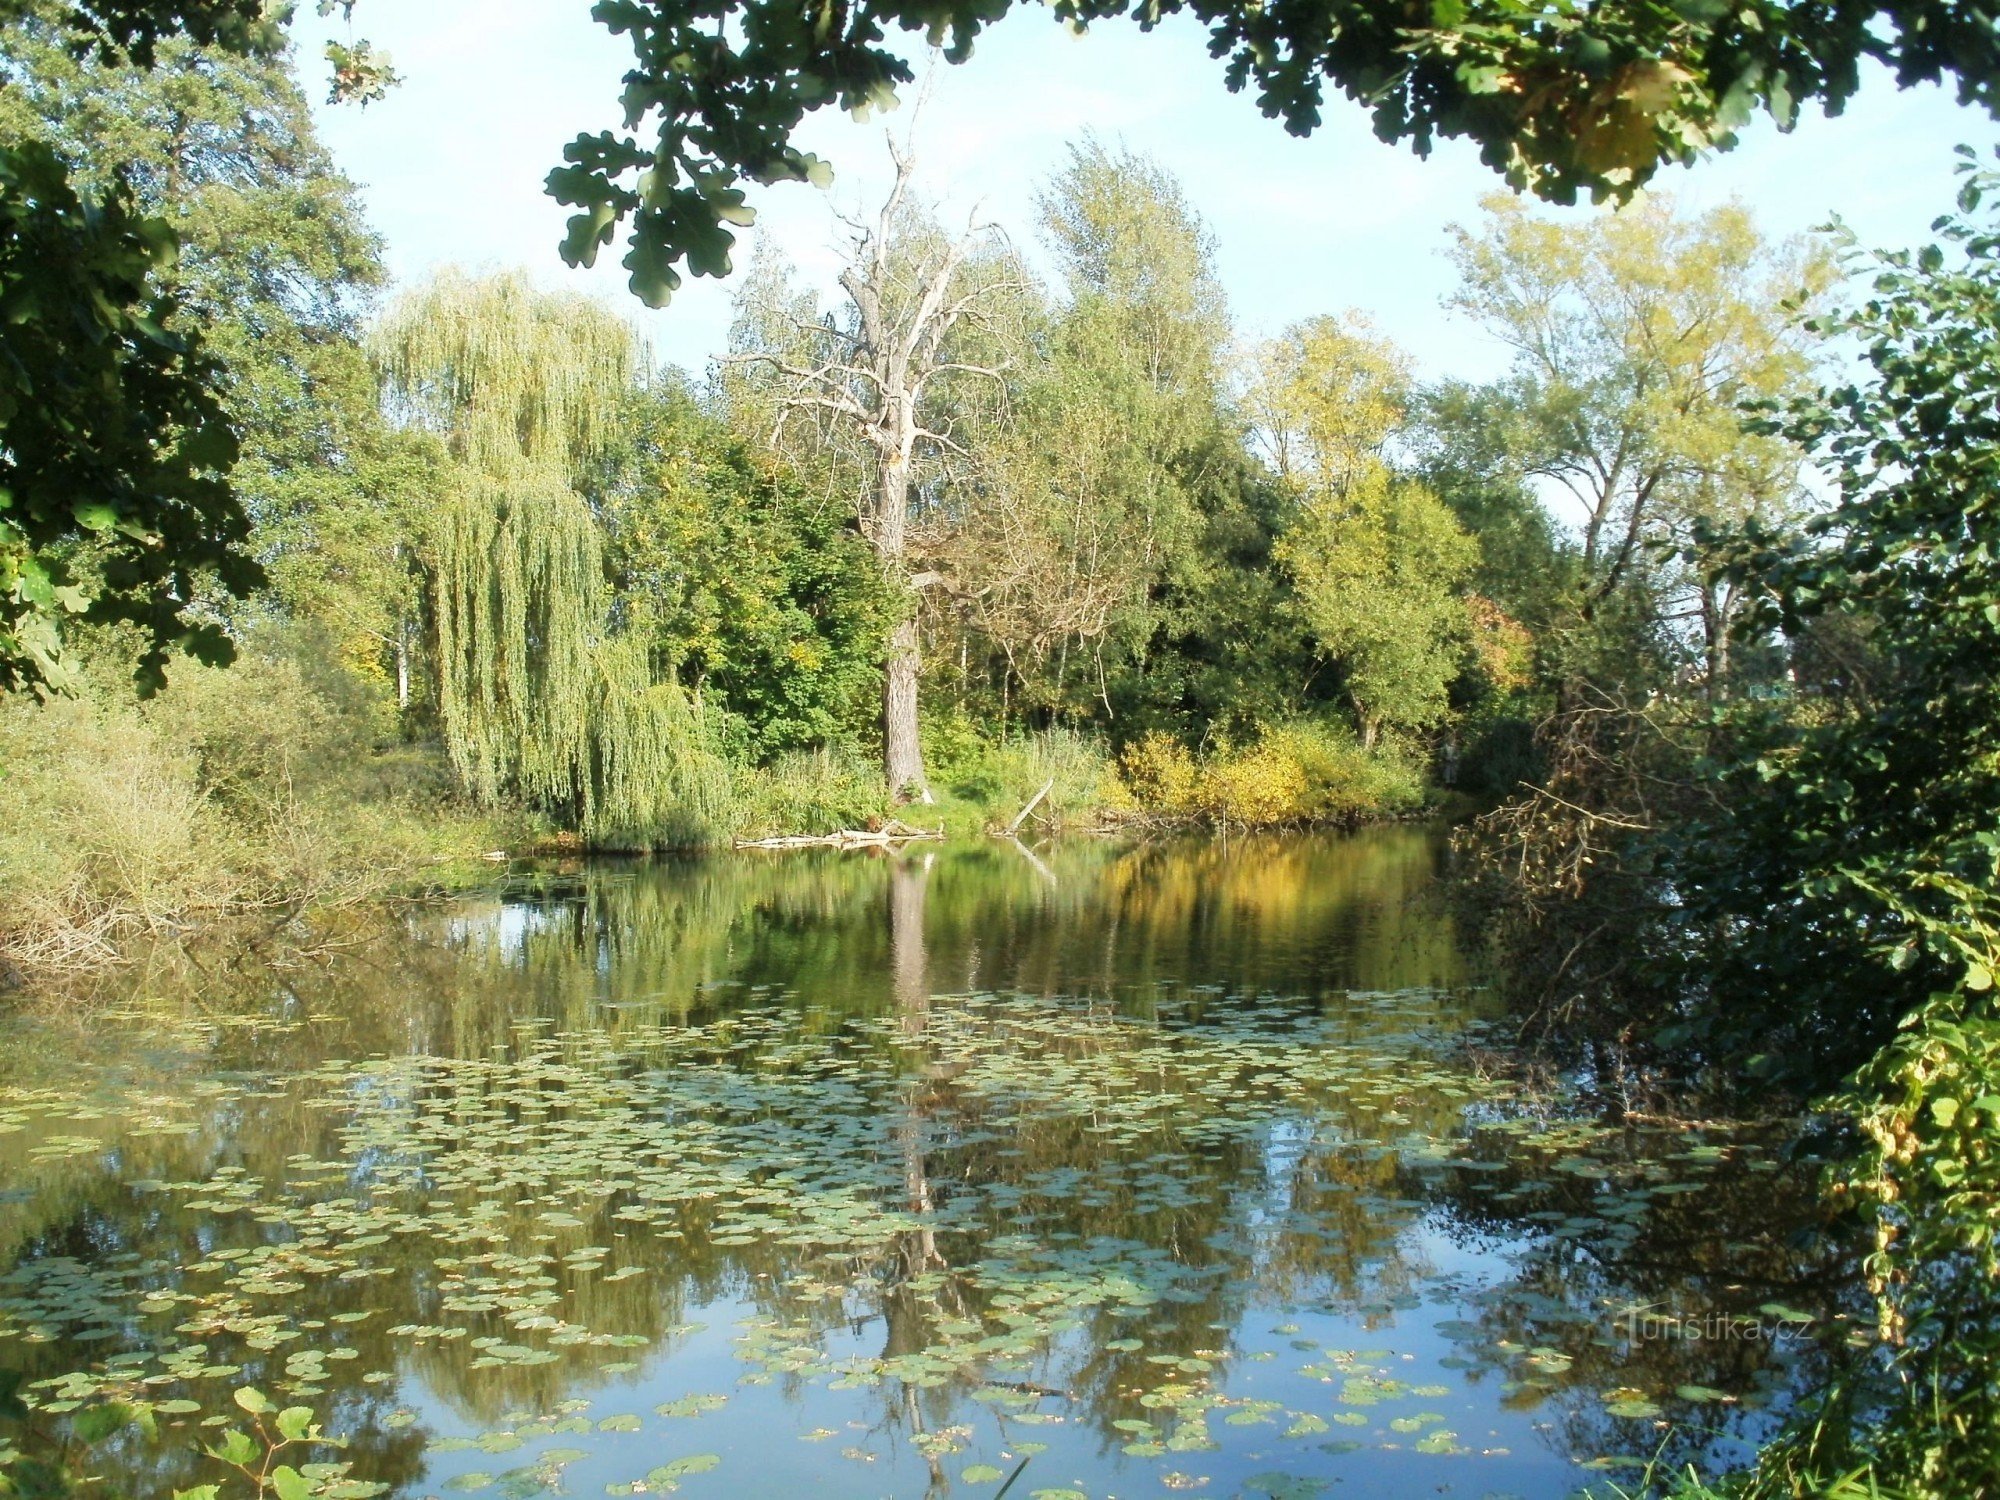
[878, 373]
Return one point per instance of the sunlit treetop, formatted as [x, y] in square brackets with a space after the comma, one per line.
[130, 31]
[1562, 96]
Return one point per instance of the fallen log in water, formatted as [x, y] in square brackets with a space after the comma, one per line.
[890, 835]
[1013, 829]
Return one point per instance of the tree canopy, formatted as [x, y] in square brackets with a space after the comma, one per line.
[1561, 99]
[1378, 561]
[130, 29]
[113, 444]
[276, 262]
[164, 178]
[1084, 502]
[762, 595]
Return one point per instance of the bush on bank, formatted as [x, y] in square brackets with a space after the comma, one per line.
[1291, 775]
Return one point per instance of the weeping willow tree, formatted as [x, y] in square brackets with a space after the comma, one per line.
[539, 700]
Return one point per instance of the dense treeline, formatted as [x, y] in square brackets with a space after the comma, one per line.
[960, 532]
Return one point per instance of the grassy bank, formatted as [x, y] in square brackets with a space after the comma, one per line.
[275, 787]
[1298, 775]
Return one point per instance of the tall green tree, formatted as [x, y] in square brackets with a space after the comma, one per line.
[1459, 440]
[1835, 893]
[139, 496]
[1228, 654]
[1324, 399]
[1860, 833]
[742, 575]
[1380, 569]
[278, 266]
[113, 442]
[1378, 562]
[539, 699]
[1086, 494]
[1133, 251]
[277, 260]
[1637, 336]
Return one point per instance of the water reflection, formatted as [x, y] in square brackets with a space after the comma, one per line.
[1156, 1167]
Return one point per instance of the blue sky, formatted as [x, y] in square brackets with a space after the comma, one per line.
[451, 165]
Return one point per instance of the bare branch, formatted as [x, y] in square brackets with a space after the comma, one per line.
[943, 440]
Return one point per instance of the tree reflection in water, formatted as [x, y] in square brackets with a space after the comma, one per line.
[1135, 1161]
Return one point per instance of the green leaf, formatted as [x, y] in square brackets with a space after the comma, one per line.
[235, 1447]
[294, 1422]
[680, 1468]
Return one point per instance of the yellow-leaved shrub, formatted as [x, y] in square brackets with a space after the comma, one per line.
[1291, 774]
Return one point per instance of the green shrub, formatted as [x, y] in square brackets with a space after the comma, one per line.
[977, 784]
[957, 757]
[1079, 775]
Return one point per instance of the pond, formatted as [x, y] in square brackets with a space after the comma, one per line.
[1105, 1170]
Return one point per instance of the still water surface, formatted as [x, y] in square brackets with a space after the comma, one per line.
[1180, 1168]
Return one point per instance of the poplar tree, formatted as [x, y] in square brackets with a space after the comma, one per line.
[1091, 490]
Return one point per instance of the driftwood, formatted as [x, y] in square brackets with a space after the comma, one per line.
[891, 835]
[1014, 828]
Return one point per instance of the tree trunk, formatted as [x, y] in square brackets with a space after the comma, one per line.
[902, 751]
[1715, 632]
[870, 373]
[909, 882]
